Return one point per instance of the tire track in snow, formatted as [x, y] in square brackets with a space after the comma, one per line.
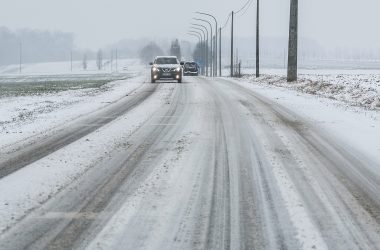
[75, 233]
[79, 129]
[328, 179]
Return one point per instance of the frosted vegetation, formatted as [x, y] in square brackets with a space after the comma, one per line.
[38, 85]
[358, 90]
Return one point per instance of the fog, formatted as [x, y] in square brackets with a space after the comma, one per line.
[347, 24]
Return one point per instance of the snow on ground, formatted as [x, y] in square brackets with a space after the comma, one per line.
[25, 116]
[341, 104]
[355, 126]
[37, 182]
[27, 110]
[123, 65]
[39, 113]
[358, 88]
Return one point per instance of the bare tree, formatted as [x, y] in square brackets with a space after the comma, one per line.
[99, 59]
[293, 42]
[175, 49]
[84, 63]
[150, 51]
[36, 46]
[198, 53]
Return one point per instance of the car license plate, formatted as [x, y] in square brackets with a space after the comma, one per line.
[166, 74]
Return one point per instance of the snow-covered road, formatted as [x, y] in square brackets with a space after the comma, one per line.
[207, 164]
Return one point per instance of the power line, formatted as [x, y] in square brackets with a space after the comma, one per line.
[246, 9]
[244, 6]
[228, 18]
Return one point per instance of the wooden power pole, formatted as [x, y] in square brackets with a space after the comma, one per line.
[258, 39]
[293, 42]
[232, 44]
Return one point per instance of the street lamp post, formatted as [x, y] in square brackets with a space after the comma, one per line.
[207, 39]
[220, 51]
[203, 46]
[211, 45]
[200, 41]
[201, 32]
[216, 43]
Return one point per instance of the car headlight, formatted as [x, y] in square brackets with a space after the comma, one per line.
[156, 69]
[178, 69]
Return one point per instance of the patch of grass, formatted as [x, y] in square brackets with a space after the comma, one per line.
[40, 86]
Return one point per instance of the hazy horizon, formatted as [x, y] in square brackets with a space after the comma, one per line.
[95, 23]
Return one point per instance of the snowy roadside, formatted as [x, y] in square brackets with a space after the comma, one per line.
[36, 183]
[49, 95]
[357, 127]
[353, 89]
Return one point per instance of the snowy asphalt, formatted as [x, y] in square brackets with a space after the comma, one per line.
[213, 165]
[25, 156]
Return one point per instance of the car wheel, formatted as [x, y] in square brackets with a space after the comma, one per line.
[180, 80]
[152, 81]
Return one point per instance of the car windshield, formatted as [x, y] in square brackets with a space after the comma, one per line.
[191, 64]
[166, 60]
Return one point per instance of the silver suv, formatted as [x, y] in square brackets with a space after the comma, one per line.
[166, 67]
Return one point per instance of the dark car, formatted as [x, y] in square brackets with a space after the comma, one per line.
[166, 67]
[190, 69]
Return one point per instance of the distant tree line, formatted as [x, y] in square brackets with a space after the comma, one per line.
[152, 49]
[45, 46]
[175, 49]
[36, 46]
[149, 52]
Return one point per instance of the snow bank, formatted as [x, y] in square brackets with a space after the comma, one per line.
[357, 90]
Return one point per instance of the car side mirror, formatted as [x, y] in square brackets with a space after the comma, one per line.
[182, 63]
[150, 63]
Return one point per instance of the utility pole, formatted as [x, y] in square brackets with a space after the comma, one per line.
[71, 60]
[258, 39]
[293, 42]
[220, 51]
[232, 45]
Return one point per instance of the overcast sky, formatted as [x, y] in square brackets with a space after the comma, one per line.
[96, 23]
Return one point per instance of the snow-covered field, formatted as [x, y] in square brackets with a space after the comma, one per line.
[345, 103]
[335, 110]
[60, 68]
[33, 104]
[353, 89]
[207, 164]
